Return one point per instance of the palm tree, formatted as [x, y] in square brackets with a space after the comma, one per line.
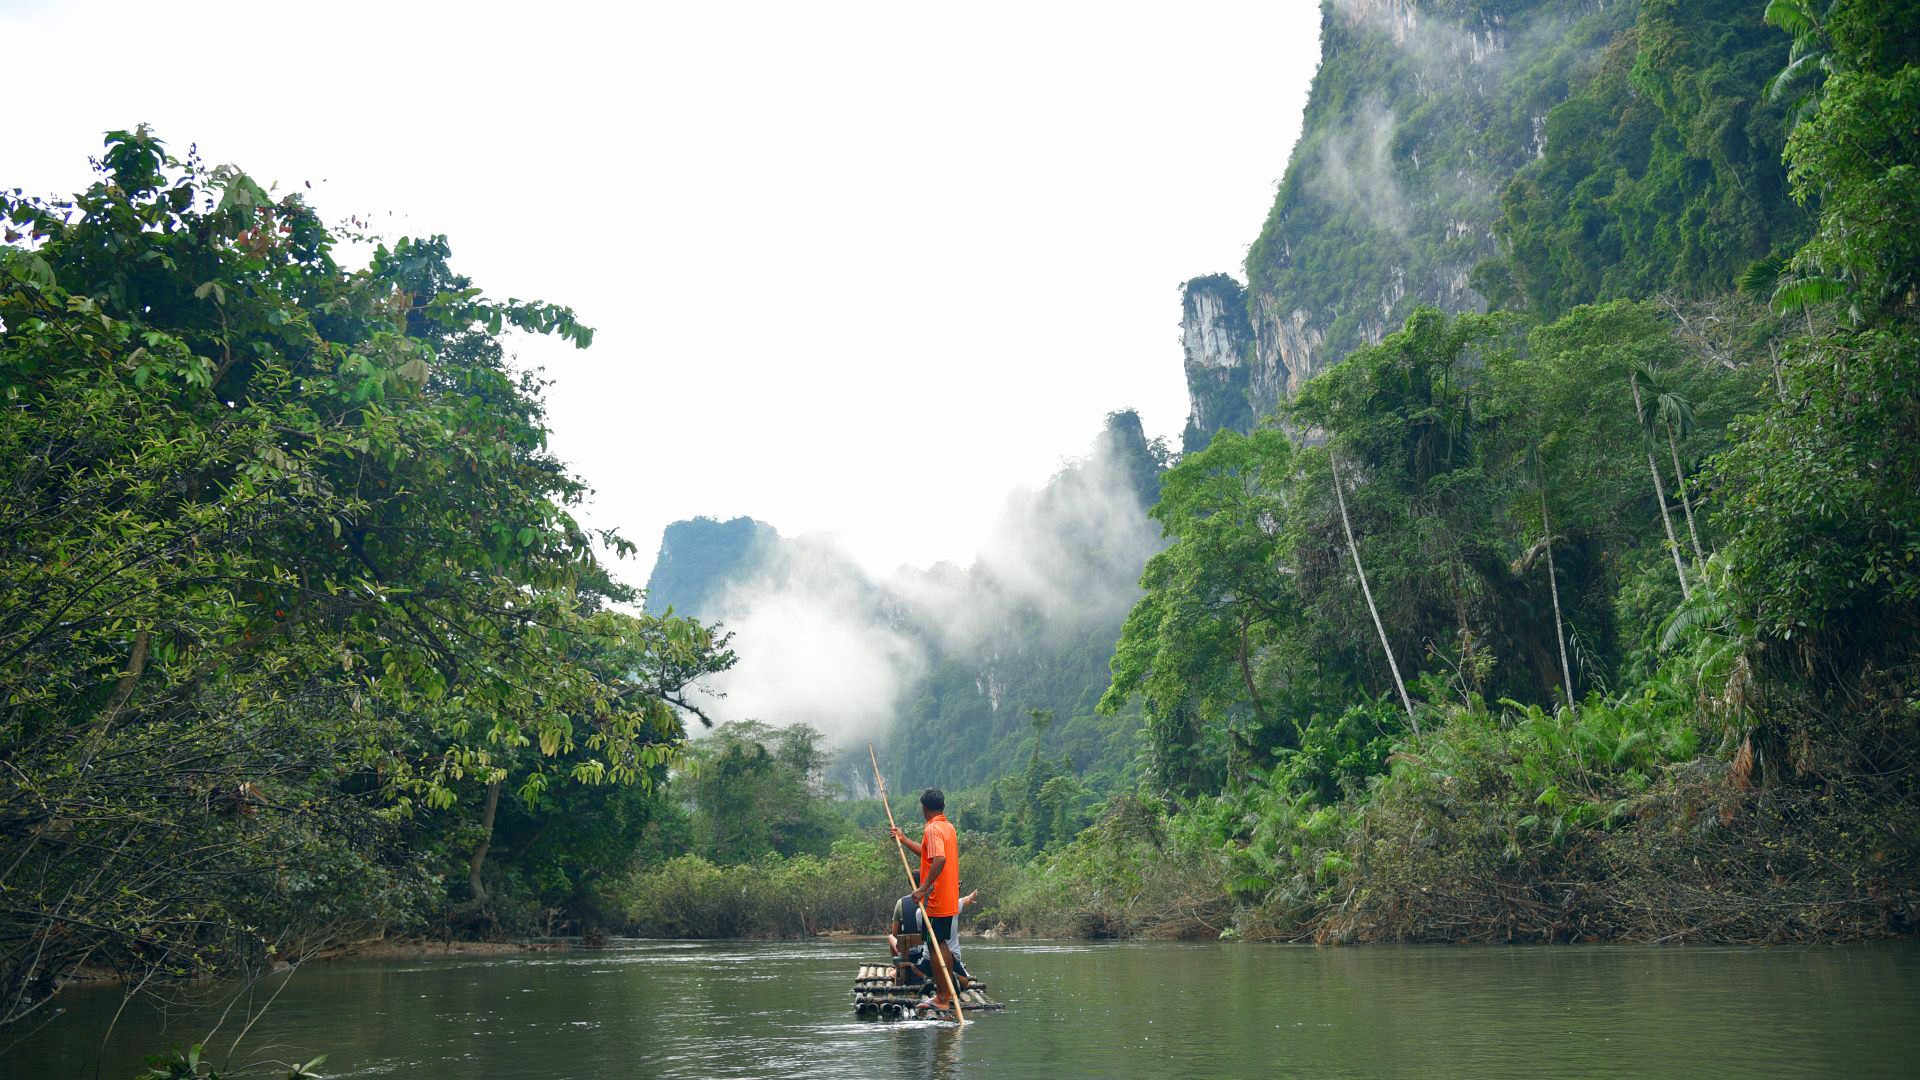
[1787, 287]
[1333, 460]
[1659, 487]
[1673, 412]
[1812, 55]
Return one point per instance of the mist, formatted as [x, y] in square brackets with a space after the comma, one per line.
[1357, 170]
[825, 642]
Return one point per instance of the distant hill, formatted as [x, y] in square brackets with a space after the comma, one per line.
[940, 664]
[700, 556]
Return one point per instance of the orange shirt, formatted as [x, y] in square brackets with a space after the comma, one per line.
[940, 839]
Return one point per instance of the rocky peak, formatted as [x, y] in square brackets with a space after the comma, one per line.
[1420, 114]
[1218, 339]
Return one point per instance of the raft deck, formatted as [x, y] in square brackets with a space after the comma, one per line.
[877, 995]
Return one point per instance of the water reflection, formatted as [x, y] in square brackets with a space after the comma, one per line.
[733, 1009]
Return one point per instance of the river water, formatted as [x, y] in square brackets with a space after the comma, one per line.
[764, 1009]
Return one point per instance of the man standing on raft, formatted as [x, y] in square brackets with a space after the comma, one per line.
[939, 851]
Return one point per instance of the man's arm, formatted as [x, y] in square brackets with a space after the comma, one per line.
[938, 863]
[905, 839]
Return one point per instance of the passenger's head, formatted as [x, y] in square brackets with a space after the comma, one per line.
[932, 802]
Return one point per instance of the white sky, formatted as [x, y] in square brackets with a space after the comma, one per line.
[855, 267]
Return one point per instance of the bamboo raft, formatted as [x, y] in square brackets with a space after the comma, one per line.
[877, 996]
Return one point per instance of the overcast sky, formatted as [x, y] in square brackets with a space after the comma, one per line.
[855, 267]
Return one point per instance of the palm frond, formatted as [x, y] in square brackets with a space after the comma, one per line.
[1778, 86]
[1802, 293]
[1793, 16]
[1758, 281]
[1676, 410]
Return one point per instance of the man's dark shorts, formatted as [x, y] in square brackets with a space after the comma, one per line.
[942, 932]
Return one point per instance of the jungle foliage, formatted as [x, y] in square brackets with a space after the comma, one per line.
[1594, 618]
[1660, 174]
[290, 590]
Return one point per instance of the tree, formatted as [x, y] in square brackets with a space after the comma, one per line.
[1346, 526]
[1553, 578]
[1406, 427]
[1215, 597]
[756, 790]
[1659, 488]
[1821, 543]
[283, 564]
[1674, 413]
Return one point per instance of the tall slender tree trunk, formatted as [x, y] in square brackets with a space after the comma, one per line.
[487, 811]
[1553, 586]
[1779, 380]
[1346, 525]
[1259, 710]
[1686, 503]
[1660, 495]
[1246, 675]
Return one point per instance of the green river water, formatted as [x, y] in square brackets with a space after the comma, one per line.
[754, 1009]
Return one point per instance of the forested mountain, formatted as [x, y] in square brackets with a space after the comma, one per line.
[1590, 616]
[698, 557]
[967, 652]
[1520, 154]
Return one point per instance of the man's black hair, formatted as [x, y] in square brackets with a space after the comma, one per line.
[933, 800]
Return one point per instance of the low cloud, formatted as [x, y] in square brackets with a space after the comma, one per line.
[812, 649]
[1357, 169]
[823, 642]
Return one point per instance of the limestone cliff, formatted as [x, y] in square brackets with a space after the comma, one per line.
[1419, 115]
[1218, 342]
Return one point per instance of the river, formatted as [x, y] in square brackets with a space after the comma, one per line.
[770, 1009]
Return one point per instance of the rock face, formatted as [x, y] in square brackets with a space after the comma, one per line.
[1420, 114]
[1218, 341]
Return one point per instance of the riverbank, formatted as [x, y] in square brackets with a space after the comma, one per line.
[1623, 822]
[1455, 846]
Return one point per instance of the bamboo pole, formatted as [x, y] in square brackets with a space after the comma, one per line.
[933, 946]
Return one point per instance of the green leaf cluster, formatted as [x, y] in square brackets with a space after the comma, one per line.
[285, 567]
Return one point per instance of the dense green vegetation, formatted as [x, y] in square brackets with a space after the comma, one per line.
[291, 600]
[1661, 174]
[1595, 616]
[1585, 620]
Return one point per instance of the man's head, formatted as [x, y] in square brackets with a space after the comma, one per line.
[932, 802]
